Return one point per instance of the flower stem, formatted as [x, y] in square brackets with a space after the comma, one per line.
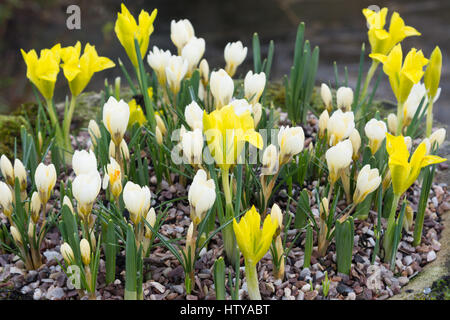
[369, 76]
[67, 121]
[399, 119]
[429, 117]
[252, 280]
[388, 239]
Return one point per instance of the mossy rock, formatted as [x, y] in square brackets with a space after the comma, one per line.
[10, 133]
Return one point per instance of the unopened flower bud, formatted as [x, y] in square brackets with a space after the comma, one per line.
[85, 249]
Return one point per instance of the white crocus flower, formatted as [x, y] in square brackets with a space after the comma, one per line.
[84, 162]
[344, 98]
[338, 159]
[7, 170]
[355, 139]
[222, 88]
[194, 116]
[158, 60]
[201, 196]
[6, 199]
[113, 177]
[85, 188]
[392, 123]
[327, 98]
[181, 32]
[254, 86]
[376, 132]
[339, 126]
[192, 52]
[137, 201]
[234, 54]
[115, 118]
[291, 142]
[45, 180]
[176, 70]
[20, 173]
[438, 136]
[417, 93]
[323, 122]
[270, 164]
[192, 144]
[368, 181]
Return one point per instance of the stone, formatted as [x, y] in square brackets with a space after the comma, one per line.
[431, 256]
[351, 296]
[306, 287]
[403, 281]
[407, 260]
[55, 293]
[301, 295]
[37, 294]
[343, 289]
[305, 273]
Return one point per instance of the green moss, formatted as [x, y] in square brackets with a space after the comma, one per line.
[10, 131]
[440, 290]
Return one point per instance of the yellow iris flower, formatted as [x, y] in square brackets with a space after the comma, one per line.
[136, 114]
[43, 71]
[402, 77]
[226, 132]
[79, 70]
[127, 30]
[381, 40]
[404, 171]
[253, 241]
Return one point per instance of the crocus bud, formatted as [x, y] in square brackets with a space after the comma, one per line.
[85, 189]
[67, 253]
[327, 98]
[151, 219]
[45, 180]
[31, 230]
[204, 71]
[277, 215]
[35, 207]
[408, 219]
[338, 158]
[323, 122]
[368, 181]
[115, 118]
[124, 151]
[344, 98]
[257, 113]
[254, 86]
[235, 54]
[355, 139]
[438, 137]
[194, 116]
[201, 196]
[159, 137]
[432, 75]
[16, 235]
[192, 144]
[21, 173]
[94, 132]
[190, 241]
[160, 124]
[386, 180]
[269, 161]
[137, 201]
[392, 123]
[376, 132]
[158, 60]
[324, 209]
[113, 177]
[339, 126]
[176, 70]
[40, 140]
[181, 32]
[192, 52]
[6, 199]
[427, 144]
[291, 142]
[222, 88]
[7, 170]
[67, 202]
[85, 250]
[84, 162]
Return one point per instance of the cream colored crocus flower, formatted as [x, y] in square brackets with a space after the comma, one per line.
[418, 92]
[137, 201]
[438, 137]
[158, 60]
[94, 132]
[15, 234]
[338, 159]
[201, 196]
[254, 86]
[270, 164]
[68, 203]
[235, 54]
[257, 113]
[7, 170]
[367, 182]
[194, 116]
[67, 253]
[159, 136]
[35, 207]
[84, 162]
[192, 144]
[115, 118]
[124, 151]
[6, 199]
[85, 188]
[277, 217]
[113, 178]
[392, 123]
[344, 98]
[85, 250]
[222, 88]
[160, 124]
[151, 219]
[355, 139]
[291, 142]
[339, 126]
[45, 180]
[192, 52]
[327, 98]
[204, 72]
[376, 132]
[181, 32]
[323, 123]
[20, 173]
[176, 70]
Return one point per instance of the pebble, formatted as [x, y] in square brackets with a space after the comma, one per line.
[51, 255]
[407, 260]
[305, 273]
[431, 256]
[37, 294]
[301, 295]
[403, 281]
[351, 296]
[158, 286]
[178, 289]
[311, 295]
[55, 293]
[306, 287]
[343, 289]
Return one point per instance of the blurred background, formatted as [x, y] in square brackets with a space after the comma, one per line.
[336, 26]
